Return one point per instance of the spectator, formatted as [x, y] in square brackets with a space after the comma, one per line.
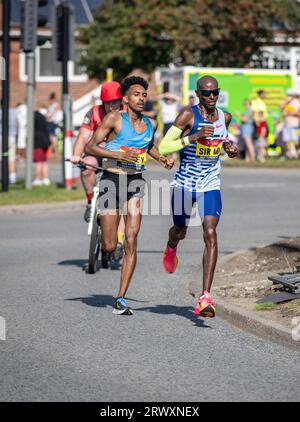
[22, 129]
[54, 117]
[150, 109]
[247, 131]
[192, 101]
[258, 106]
[41, 145]
[278, 132]
[291, 113]
[169, 104]
[262, 133]
[12, 135]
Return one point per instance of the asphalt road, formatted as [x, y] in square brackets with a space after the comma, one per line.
[64, 344]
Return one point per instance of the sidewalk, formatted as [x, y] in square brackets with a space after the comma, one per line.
[242, 278]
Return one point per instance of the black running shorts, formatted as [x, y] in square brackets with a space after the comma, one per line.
[115, 189]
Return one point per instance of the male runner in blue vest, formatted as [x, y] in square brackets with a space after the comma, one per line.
[129, 138]
[199, 133]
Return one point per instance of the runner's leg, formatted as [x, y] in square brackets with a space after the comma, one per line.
[210, 251]
[133, 219]
[109, 227]
[182, 204]
[121, 230]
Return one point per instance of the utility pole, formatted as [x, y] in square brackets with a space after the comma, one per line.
[30, 21]
[5, 97]
[64, 34]
[65, 84]
[30, 61]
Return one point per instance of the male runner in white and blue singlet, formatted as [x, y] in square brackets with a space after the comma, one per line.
[199, 133]
[129, 137]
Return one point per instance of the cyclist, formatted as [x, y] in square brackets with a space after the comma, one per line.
[130, 136]
[111, 100]
[199, 132]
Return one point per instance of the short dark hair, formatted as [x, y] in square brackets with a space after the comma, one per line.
[261, 91]
[132, 80]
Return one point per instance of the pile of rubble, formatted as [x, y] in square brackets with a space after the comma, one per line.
[254, 289]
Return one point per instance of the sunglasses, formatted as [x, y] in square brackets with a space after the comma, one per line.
[208, 92]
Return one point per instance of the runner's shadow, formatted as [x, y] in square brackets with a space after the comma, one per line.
[81, 263]
[99, 301]
[183, 311]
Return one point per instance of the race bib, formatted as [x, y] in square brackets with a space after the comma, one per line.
[209, 148]
[141, 159]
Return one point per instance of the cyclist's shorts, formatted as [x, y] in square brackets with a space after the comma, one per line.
[116, 189]
[208, 203]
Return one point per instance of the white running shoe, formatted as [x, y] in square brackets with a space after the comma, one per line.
[37, 182]
[46, 182]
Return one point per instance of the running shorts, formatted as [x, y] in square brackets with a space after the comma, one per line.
[208, 203]
[116, 189]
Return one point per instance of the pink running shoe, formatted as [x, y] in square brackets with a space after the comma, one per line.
[206, 306]
[170, 260]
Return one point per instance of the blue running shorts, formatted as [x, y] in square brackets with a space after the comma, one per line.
[209, 203]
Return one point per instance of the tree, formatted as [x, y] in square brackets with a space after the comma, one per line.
[129, 34]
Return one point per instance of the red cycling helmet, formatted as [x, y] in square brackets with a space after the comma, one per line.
[110, 91]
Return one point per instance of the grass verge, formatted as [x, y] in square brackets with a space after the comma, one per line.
[18, 195]
[269, 163]
[265, 307]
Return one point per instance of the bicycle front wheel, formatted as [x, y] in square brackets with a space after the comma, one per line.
[94, 249]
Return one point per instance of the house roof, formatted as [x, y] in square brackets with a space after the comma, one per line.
[83, 10]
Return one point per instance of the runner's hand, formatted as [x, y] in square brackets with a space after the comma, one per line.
[129, 156]
[205, 132]
[167, 163]
[75, 159]
[230, 149]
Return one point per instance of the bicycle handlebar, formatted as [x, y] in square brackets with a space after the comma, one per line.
[82, 165]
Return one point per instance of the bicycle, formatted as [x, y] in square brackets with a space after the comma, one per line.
[94, 227]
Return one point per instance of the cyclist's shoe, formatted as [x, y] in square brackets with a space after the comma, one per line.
[121, 307]
[170, 260]
[87, 213]
[206, 307]
[117, 254]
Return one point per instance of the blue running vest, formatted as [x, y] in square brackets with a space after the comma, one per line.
[127, 139]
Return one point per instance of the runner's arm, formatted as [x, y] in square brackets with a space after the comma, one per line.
[154, 153]
[152, 150]
[173, 140]
[164, 161]
[228, 146]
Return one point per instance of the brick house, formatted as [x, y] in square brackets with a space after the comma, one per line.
[48, 70]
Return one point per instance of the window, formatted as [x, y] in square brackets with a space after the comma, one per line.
[48, 66]
[50, 70]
